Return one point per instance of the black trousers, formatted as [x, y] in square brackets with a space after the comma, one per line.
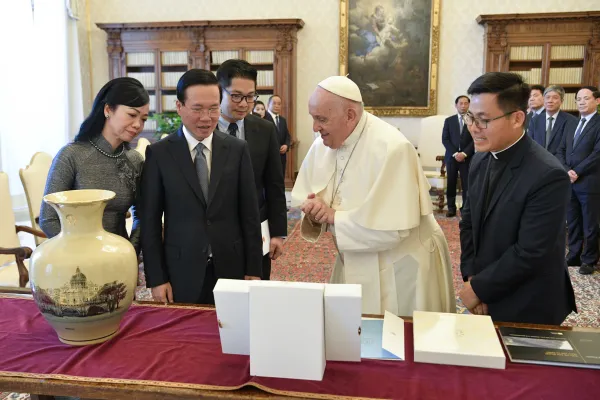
[210, 280]
[266, 268]
[283, 163]
[582, 220]
[453, 168]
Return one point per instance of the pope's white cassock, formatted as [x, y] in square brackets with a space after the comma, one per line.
[384, 227]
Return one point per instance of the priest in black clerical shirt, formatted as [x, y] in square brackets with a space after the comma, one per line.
[512, 232]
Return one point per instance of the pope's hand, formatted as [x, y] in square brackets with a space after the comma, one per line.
[317, 210]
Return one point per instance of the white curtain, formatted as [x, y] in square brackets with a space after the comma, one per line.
[41, 90]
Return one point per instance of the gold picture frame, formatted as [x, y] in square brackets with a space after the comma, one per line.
[377, 47]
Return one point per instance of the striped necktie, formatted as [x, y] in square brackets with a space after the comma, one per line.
[578, 131]
[202, 169]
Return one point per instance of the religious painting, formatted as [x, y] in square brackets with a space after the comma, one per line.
[389, 48]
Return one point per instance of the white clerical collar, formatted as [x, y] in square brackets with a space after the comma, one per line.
[353, 138]
[193, 142]
[516, 141]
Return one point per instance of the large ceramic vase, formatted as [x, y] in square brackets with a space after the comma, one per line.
[84, 278]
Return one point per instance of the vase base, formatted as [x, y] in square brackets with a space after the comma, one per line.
[88, 341]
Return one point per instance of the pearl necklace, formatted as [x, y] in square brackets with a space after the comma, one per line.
[105, 153]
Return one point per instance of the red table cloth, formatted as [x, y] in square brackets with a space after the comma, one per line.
[177, 346]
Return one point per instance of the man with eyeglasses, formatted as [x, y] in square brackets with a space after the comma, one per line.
[512, 233]
[237, 79]
[202, 181]
[580, 155]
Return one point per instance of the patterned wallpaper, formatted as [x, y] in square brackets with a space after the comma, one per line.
[461, 40]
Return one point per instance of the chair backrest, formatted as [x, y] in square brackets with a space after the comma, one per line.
[8, 234]
[430, 142]
[141, 146]
[34, 178]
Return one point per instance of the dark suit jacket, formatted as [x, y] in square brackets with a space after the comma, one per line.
[584, 157]
[269, 117]
[453, 140]
[529, 121]
[229, 223]
[516, 250]
[563, 122]
[268, 177]
[283, 134]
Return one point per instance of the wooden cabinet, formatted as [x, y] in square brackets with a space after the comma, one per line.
[548, 49]
[158, 53]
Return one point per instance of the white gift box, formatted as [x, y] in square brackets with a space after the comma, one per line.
[343, 307]
[457, 339]
[232, 304]
[287, 333]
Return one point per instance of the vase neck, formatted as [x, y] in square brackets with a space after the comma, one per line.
[80, 218]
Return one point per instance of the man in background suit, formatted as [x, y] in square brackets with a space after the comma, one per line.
[202, 180]
[580, 155]
[535, 104]
[459, 149]
[283, 133]
[548, 128]
[238, 82]
[512, 234]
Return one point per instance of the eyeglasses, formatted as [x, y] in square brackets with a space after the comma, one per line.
[237, 98]
[483, 123]
[211, 112]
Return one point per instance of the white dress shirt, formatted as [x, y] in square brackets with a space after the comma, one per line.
[224, 127]
[274, 117]
[193, 142]
[460, 126]
[553, 119]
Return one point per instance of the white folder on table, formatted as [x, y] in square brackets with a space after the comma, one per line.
[266, 236]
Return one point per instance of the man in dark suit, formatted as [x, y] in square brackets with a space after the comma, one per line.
[202, 180]
[548, 128]
[459, 149]
[512, 234]
[238, 82]
[535, 104]
[283, 134]
[580, 155]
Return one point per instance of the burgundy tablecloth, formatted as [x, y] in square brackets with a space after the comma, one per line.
[180, 347]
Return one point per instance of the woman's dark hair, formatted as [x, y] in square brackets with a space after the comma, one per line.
[258, 102]
[119, 91]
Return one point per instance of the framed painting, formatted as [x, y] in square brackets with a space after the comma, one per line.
[390, 49]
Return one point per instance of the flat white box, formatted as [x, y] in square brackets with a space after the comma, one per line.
[232, 302]
[343, 318]
[457, 339]
[287, 332]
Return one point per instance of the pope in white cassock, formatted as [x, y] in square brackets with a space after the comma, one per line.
[362, 180]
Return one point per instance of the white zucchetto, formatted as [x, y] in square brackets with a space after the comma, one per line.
[343, 87]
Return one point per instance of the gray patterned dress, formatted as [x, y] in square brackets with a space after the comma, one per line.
[80, 165]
